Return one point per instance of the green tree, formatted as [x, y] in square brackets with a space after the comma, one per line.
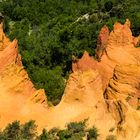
[12, 131]
[74, 131]
[29, 130]
[44, 135]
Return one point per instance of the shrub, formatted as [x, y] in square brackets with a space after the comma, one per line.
[92, 133]
[44, 135]
[29, 130]
[12, 131]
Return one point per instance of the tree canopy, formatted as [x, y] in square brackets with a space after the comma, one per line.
[51, 31]
[28, 131]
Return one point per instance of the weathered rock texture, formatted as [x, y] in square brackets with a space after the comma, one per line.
[105, 90]
[16, 89]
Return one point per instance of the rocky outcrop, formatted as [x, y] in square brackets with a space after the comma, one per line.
[16, 89]
[124, 85]
[105, 90]
[102, 43]
[119, 70]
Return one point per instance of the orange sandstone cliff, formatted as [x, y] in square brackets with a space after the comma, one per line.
[105, 90]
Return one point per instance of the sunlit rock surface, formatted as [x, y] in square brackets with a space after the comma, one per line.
[105, 90]
[16, 89]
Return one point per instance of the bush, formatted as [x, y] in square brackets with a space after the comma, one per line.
[74, 131]
[28, 131]
[44, 135]
[15, 131]
[92, 134]
[12, 131]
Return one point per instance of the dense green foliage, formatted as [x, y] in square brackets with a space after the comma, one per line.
[92, 134]
[51, 31]
[28, 131]
[74, 131]
[15, 131]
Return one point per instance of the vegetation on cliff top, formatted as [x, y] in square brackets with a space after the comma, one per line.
[28, 131]
[51, 31]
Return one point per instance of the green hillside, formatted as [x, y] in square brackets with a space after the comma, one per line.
[51, 31]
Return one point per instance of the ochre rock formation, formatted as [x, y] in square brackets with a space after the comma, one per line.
[16, 89]
[104, 90]
[102, 43]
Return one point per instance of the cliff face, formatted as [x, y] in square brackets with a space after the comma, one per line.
[105, 90]
[16, 89]
[118, 68]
